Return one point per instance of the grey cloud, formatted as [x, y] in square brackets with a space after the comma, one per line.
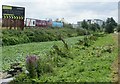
[93, 6]
[69, 10]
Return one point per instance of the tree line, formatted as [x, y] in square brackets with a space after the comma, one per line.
[108, 26]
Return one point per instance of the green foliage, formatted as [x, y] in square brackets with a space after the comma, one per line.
[87, 41]
[110, 25]
[93, 37]
[99, 34]
[118, 28]
[90, 26]
[18, 52]
[37, 67]
[59, 51]
[81, 32]
[21, 78]
[94, 27]
[91, 64]
[68, 25]
[15, 69]
[13, 37]
[43, 66]
[103, 25]
[65, 44]
[84, 24]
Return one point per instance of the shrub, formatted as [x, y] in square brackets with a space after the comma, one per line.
[13, 37]
[10, 40]
[43, 67]
[93, 38]
[118, 28]
[87, 40]
[37, 67]
[99, 34]
[21, 79]
[81, 31]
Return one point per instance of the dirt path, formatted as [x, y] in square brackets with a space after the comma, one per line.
[115, 63]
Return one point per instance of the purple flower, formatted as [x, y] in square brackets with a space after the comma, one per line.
[32, 60]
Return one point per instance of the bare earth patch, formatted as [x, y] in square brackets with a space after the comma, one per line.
[115, 63]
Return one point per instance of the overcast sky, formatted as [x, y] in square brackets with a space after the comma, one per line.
[71, 10]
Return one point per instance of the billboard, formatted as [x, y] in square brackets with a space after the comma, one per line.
[13, 16]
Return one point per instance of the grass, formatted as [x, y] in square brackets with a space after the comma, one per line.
[84, 67]
[17, 53]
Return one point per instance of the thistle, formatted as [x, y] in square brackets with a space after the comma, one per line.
[31, 64]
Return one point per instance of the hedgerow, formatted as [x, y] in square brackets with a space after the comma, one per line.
[13, 37]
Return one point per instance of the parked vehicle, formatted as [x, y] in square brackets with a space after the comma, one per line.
[30, 22]
[42, 23]
[57, 24]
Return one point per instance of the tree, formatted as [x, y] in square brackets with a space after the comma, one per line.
[110, 25]
[84, 24]
[94, 27]
[118, 28]
[103, 26]
[68, 25]
[97, 26]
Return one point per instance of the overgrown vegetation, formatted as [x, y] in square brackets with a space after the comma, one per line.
[76, 63]
[13, 37]
[86, 58]
[118, 28]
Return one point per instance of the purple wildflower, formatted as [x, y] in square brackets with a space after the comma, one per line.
[31, 59]
[31, 62]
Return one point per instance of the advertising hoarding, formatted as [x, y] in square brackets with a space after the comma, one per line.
[13, 16]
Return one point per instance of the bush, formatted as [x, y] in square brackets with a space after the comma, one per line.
[13, 40]
[93, 38]
[118, 28]
[37, 67]
[81, 31]
[7, 40]
[87, 40]
[13, 37]
[43, 67]
[21, 79]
